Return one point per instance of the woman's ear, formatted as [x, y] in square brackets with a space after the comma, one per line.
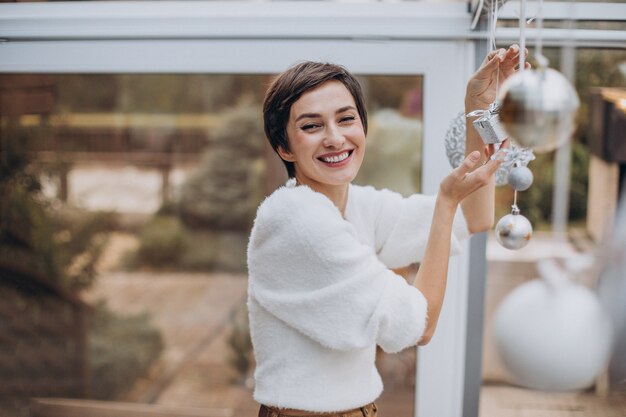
[285, 155]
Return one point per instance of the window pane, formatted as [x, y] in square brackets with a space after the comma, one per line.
[595, 71]
[136, 194]
[394, 139]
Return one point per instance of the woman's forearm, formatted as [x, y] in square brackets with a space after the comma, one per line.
[433, 272]
[478, 207]
[464, 184]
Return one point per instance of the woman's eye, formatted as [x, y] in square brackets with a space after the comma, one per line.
[309, 126]
[347, 119]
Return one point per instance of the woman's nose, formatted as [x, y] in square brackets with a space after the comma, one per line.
[333, 138]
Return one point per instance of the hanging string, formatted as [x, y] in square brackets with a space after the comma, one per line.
[542, 61]
[522, 35]
[493, 17]
[477, 14]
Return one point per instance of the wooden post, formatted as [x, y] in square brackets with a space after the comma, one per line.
[275, 173]
[165, 183]
[602, 200]
[63, 192]
[83, 368]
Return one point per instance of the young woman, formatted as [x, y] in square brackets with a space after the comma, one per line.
[321, 291]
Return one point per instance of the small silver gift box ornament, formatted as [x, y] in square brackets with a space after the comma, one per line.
[488, 124]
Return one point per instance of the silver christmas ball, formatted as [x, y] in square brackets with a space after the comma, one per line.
[513, 231]
[520, 178]
[538, 109]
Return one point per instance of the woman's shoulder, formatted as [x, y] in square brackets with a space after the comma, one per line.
[363, 196]
[369, 192]
[291, 203]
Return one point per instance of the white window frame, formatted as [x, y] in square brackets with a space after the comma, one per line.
[567, 11]
[432, 40]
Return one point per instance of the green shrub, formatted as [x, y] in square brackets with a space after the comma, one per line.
[161, 242]
[225, 188]
[80, 239]
[166, 243]
[121, 350]
[64, 244]
[240, 355]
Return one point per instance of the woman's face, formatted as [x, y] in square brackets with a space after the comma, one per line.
[326, 136]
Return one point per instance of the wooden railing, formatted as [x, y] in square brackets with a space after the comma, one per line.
[60, 407]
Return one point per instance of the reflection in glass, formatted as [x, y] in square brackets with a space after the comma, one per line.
[127, 202]
[594, 69]
[393, 156]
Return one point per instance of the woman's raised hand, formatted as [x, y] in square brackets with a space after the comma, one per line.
[481, 88]
[464, 180]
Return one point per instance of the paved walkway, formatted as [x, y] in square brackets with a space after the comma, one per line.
[194, 311]
[507, 401]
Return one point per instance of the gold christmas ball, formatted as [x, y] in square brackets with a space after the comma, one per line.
[513, 231]
[538, 109]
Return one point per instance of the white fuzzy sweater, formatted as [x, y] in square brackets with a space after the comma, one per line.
[321, 295]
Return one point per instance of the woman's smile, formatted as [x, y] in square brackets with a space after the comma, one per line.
[336, 159]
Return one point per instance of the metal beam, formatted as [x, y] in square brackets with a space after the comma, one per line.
[231, 20]
[587, 11]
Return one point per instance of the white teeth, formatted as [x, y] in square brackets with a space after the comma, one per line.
[336, 158]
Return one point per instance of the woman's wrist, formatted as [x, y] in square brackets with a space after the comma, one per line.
[446, 203]
[472, 104]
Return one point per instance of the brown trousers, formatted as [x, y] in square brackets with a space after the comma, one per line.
[366, 411]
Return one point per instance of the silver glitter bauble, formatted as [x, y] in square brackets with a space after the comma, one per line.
[520, 178]
[538, 109]
[513, 231]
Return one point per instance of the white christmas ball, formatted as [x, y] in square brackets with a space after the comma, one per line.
[551, 338]
[520, 178]
[538, 109]
[513, 231]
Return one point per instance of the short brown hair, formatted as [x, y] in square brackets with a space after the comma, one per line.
[287, 88]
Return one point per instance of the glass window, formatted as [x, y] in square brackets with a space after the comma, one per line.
[393, 157]
[595, 69]
[135, 193]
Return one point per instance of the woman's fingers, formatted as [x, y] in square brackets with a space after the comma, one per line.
[487, 151]
[491, 148]
[466, 178]
[469, 163]
[506, 58]
[511, 61]
[494, 58]
[492, 163]
[479, 177]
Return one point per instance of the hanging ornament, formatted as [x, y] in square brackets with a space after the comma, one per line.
[513, 231]
[520, 178]
[553, 333]
[488, 122]
[538, 109]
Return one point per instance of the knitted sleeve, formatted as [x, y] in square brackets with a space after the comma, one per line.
[402, 226]
[308, 269]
